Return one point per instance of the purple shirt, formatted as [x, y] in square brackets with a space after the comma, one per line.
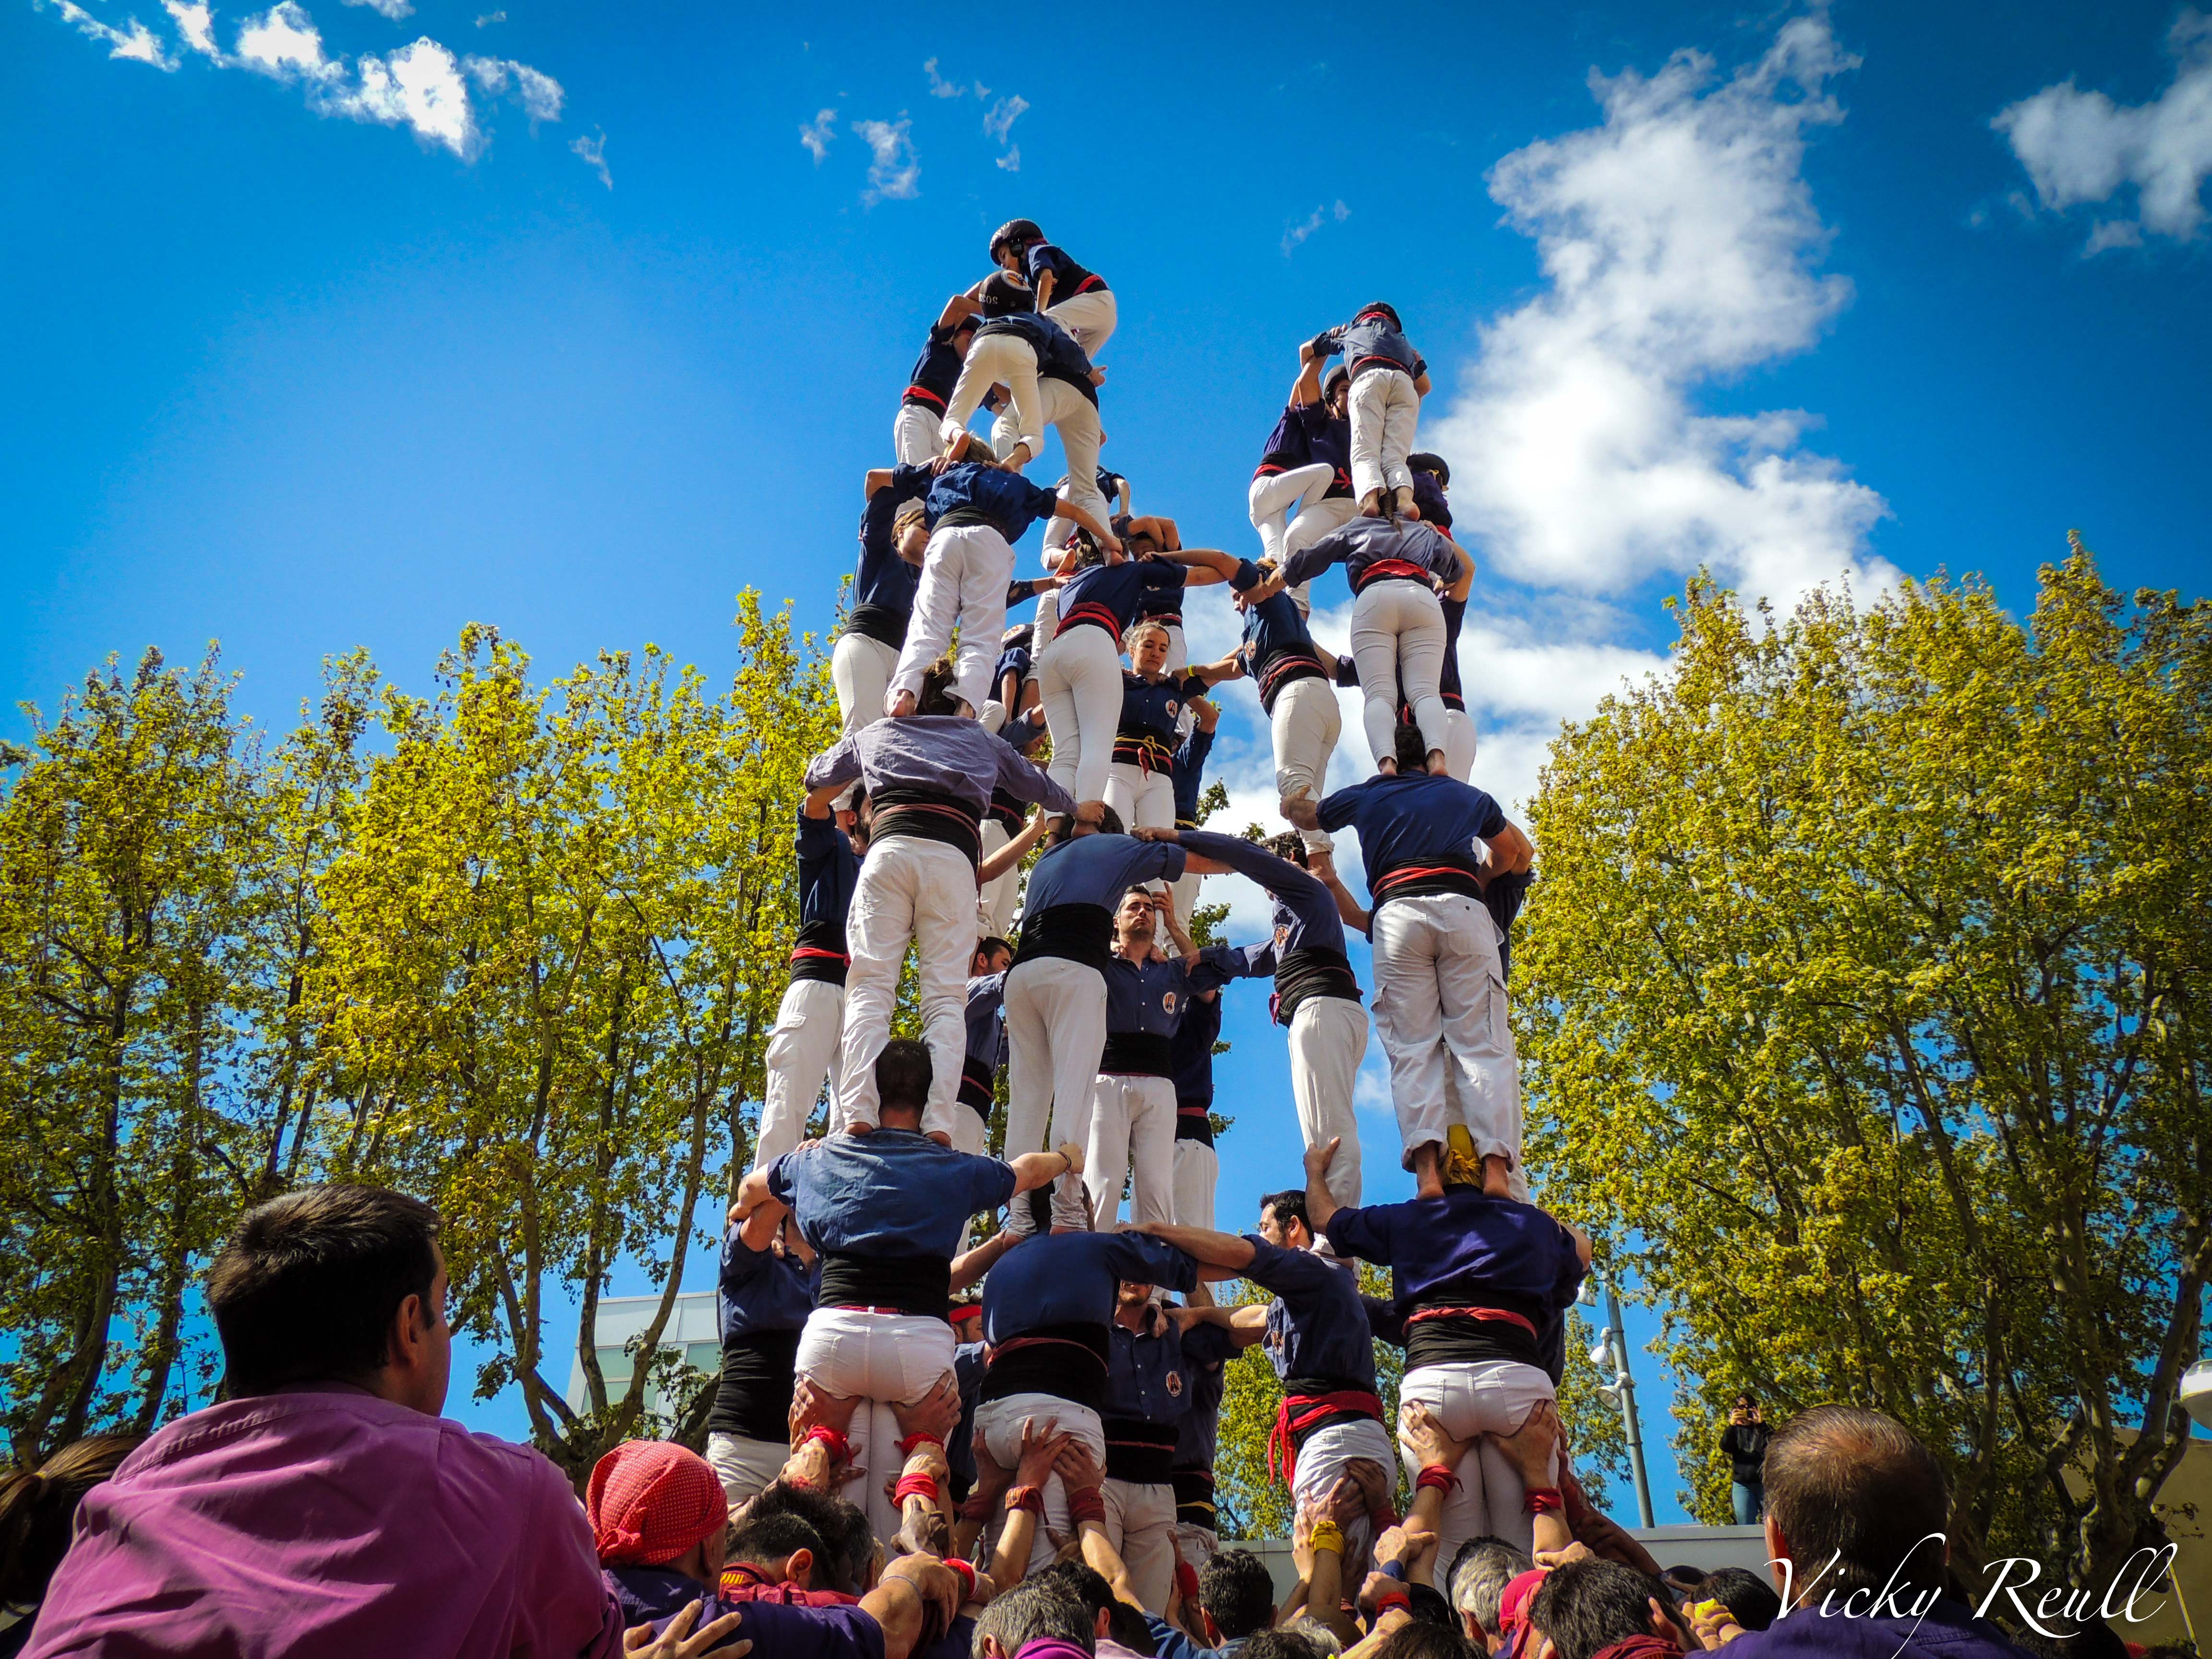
[329, 1523]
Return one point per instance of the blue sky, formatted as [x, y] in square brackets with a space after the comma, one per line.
[348, 324]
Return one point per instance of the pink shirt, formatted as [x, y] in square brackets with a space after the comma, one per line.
[330, 1523]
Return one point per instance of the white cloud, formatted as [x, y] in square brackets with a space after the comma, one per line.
[284, 42]
[594, 153]
[1011, 161]
[999, 120]
[539, 93]
[1680, 241]
[1294, 234]
[419, 86]
[2082, 147]
[816, 134]
[941, 87]
[134, 42]
[489, 18]
[196, 23]
[394, 9]
[894, 171]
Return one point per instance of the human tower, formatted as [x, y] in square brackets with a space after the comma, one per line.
[1081, 980]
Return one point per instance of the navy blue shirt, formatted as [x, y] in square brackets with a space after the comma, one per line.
[1447, 686]
[1950, 1630]
[1190, 774]
[1316, 1326]
[1058, 356]
[1068, 278]
[893, 1192]
[1097, 869]
[1463, 1246]
[1306, 916]
[936, 372]
[828, 870]
[1372, 550]
[987, 1039]
[1146, 737]
[1368, 341]
[1291, 444]
[1145, 997]
[884, 584]
[656, 1595]
[969, 1361]
[1107, 595]
[1407, 819]
[1277, 648]
[1206, 1348]
[1070, 1278]
[760, 1291]
[969, 492]
[1147, 1378]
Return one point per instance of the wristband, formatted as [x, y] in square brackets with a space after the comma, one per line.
[1437, 1477]
[840, 1448]
[1394, 1570]
[1085, 1504]
[1025, 1498]
[915, 1485]
[1327, 1535]
[1542, 1500]
[1388, 1600]
[920, 1437]
[1186, 1580]
[966, 1574]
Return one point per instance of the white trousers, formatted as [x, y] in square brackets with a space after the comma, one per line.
[1133, 1123]
[1275, 495]
[1197, 1171]
[924, 890]
[1075, 417]
[802, 1049]
[1471, 1398]
[880, 1359]
[1089, 318]
[745, 1467]
[1140, 797]
[917, 435]
[1326, 1454]
[860, 668]
[992, 359]
[1305, 723]
[1385, 410]
[1324, 516]
[1056, 1031]
[994, 900]
[1080, 678]
[1397, 637]
[1440, 1006]
[999, 1430]
[1329, 1039]
[963, 580]
[1459, 749]
[1141, 1525]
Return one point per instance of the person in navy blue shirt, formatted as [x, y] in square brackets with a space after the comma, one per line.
[1140, 784]
[1077, 299]
[1149, 1393]
[1317, 996]
[1388, 380]
[810, 1022]
[1055, 997]
[986, 1040]
[1048, 1306]
[886, 1212]
[1305, 466]
[1197, 1167]
[976, 512]
[1474, 1280]
[1439, 984]
[894, 534]
[1319, 1338]
[916, 434]
[1079, 672]
[1200, 716]
[761, 1300]
[1431, 478]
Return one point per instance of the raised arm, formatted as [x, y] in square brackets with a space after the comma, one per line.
[1320, 1207]
[1035, 1169]
[1347, 908]
[1231, 667]
[1206, 565]
[969, 1267]
[1203, 1244]
[1014, 851]
[1306, 389]
[1312, 559]
[958, 307]
[1023, 779]
[1186, 947]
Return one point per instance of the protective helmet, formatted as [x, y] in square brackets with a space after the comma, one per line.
[1024, 231]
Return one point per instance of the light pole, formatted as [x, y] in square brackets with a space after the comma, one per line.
[1612, 1351]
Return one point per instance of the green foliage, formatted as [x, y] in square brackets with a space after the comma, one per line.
[1861, 1013]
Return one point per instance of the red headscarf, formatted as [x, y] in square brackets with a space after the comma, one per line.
[1513, 1609]
[650, 1501]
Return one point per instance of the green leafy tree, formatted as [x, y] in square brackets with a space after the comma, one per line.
[1862, 1009]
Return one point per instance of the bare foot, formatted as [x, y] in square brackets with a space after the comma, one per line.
[1370, 505]
[1386, 768]
[1428, 1171]
[859, 1128]
[1405, 507]
[902, 705]
[940, 1137]
[1496, 1173]
[1437, 762]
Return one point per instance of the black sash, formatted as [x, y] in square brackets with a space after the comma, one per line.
[1067, 1361]
[918, 1285]
[885, 624]
[753, 1399]
[1074, 932]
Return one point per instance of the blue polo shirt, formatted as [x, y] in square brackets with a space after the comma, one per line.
[1071, 1278]
[969, 492]
[1107, 595]
[1316, 1326]
[936, 372]
[760, 1291]
[1206, 1349]
[894, 1192]
[1278, 647]
[1068, 278]
[884, 584]
[987, 1041]
[828, 870]
[1190, 775]
[1412, 820]
[1147, 1377]
[1097, 869]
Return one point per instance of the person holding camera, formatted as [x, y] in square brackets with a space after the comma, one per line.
[1744, 1444]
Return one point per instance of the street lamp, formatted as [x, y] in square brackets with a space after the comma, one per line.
[1610, 1352]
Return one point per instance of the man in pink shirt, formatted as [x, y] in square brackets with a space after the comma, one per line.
[328, 1510]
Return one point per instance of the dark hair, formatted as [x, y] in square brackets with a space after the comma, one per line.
[1479, 1576]
[937, 683]
[307, 1286]
[1746, 1398]
[1386, 309]
[848, 1540]
[761, 1538]
[38, 1508]
[1237, 1594]
[904, 1072]
[1409, 748]
[1002, 296]
[990, 945]
[1433, 464]
[1426, 1603]
[1591, 1604]
[1289, 1205]
[1038, 1608]
[1422, 1640]
[1337, 376]
[1125, 1625]
[1749, 1597]
[1290, 847]
[1086, 1581]
[1278, 1644]
[1861, 1487]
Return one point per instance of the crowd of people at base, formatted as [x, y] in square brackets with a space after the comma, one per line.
[1024, 1428]
[326, 1509]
